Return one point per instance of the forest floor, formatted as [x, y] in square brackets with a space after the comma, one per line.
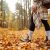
[10, 40]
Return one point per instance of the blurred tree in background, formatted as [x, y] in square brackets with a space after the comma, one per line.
[18, 20]
[23, 11]
[4, 9]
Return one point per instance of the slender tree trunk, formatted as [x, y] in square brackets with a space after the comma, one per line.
[24, 15]
[2, 11]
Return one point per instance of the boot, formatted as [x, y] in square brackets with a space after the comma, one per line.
[48, 38]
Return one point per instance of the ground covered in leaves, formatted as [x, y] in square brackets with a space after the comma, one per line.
[10, 40]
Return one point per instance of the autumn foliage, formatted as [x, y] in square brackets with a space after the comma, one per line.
[10, 40]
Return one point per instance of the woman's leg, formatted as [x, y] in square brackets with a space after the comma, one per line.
[47, 29]
[31, 29]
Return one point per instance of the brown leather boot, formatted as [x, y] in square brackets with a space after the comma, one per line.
[45, 42]
[48, 43]
[46, 39]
